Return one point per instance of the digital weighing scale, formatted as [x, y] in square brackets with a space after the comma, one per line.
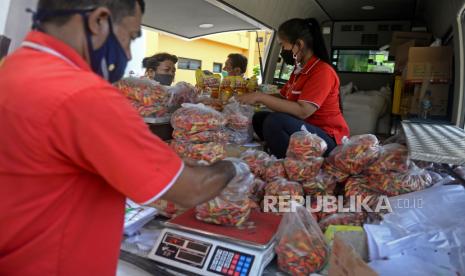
[207, 249]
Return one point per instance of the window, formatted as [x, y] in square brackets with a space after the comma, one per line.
[282, 73]
[189, 64]
[363, 61]
[217, 67]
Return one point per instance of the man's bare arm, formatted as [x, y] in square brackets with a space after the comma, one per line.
[198, 184]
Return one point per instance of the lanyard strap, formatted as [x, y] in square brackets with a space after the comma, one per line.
[47, 50]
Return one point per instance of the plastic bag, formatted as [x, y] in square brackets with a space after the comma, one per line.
[149, 111]
[143, 91]
[240, 85]
[238, 137]
[358, 187]
[355, 154]
[146, 96]
[232, 207]
[227, 88]
[218, 136]
[238, 116]
[321, 185]
[338, 175]
[274, 168]
[256, 160]
[354, 219]
[302, 170]
[257, 191]
[393, 184]
[301, 248]
[209, 152]
[209, 84]
[252, 84]
[194, 118]
[304, 145]
[167, 208]
[182, 92]
[392, 158]
[460, 171]
[281, 187]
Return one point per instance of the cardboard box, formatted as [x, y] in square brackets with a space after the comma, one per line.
[431, 63]
[345, 261]
[402, 55]
[399, 38]
[439, 99]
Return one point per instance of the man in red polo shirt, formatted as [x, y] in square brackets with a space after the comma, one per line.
[72, 148]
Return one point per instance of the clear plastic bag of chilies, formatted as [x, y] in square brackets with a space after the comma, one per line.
[143, 91]
[167, 208]
[238, 137]
[209, 152]
[355, 154]
[256, 160]
[358, 187]
[392, 158]
[181, 93]
[238, 116]
[302, 170]
[393, 184]
[193, 118]
[274, 168]
[304, 145]
[279, 193]
[354, 219]
[232, 207]
[321, 185]
[218, 136]
[301, 249]
[257, 191]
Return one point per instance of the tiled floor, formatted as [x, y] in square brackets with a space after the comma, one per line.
[127, 269]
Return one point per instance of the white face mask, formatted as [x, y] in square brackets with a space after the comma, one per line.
[298, 68]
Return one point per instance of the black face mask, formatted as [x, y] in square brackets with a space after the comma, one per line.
[288, 56]
[164, 79]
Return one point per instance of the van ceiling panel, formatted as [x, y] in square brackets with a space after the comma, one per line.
[275, 12]
[345, 10]
[183, 17]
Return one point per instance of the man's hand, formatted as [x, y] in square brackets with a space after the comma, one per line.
[198, 184]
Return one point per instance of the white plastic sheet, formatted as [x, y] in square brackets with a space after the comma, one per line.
[433, 231]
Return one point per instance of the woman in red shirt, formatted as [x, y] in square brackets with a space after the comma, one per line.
[310, 97]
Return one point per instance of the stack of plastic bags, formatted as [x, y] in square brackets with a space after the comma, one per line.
[239, 123]
[198, 133]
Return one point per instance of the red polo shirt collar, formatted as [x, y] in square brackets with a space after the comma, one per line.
[309, 65]
[59, 46]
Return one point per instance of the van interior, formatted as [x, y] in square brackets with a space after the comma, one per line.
[369, 42]
[363, 39]
[388, 54]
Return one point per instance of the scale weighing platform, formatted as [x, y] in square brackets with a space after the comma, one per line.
[208, 249]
